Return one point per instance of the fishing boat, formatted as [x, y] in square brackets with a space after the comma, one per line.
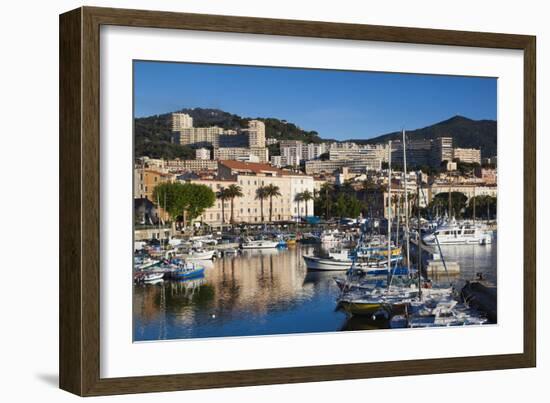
[378, 301]
[145, 263]
[445, 313]
[326, 263]
[459, 234]
[185, 271]
[250, 243]
[199, 254]
[152, 277]
[310, 238]
[229, 251]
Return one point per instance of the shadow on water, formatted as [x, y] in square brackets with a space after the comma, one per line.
[365, 323]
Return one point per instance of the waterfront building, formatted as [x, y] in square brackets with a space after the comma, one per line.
[271, 141]
[468, 189]
[145, 181]
[469, 155]
[249, 177]
[202, 154]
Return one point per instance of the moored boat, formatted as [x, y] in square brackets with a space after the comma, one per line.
[249, 243]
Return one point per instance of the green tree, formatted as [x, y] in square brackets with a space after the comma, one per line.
[298, 199]
[307, 196]
[327, 193]
[223, 196]
[233, 191]
[486, 207]
[458, 203]
[261, 195]
[187, 199]
[272, 191]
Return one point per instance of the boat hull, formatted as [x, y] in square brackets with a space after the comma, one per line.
[320, 264]
[365, 308]
[260, 245]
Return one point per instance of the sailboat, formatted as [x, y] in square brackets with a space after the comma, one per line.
[380, 300]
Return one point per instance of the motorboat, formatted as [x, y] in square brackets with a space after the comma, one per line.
[326, 263]
[152, 277]
[145, 263]
[185, 271]
[249, 243]
[199, 254]
[459, 234]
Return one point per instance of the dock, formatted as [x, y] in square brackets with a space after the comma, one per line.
[432, 262]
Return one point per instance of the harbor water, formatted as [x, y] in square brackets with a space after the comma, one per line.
[266, 292]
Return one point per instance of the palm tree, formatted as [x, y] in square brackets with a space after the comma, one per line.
[298, 198]
[261, 195]
[272, 191]
[223, 195]
[307, 196]
[326, 188]
[232, 192]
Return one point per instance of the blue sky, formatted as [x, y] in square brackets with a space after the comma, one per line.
[337, 104]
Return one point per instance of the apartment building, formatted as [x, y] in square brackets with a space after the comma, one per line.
[256, 134]
[249, 177]
[181, 121]
[145, 181]
[202, 154]
[242, 153]
[469, 155]
[442, 150]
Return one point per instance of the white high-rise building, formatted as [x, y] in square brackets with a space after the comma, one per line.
[181, 121]
[256, 134]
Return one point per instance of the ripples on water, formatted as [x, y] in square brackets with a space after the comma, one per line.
[261, 293]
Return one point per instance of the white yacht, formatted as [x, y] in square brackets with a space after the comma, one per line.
[459, 234]
[259, 244]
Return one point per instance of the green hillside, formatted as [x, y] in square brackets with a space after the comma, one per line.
[466, 133]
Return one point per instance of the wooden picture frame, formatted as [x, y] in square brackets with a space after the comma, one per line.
[80, 196]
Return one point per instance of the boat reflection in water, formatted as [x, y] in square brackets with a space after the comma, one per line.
[259, 292]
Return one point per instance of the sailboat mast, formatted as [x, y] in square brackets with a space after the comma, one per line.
[407, 244]
[419, 263]
[389, 213]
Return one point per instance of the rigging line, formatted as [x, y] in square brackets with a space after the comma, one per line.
[436, 240]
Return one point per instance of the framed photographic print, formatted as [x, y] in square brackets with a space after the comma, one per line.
[249, 201]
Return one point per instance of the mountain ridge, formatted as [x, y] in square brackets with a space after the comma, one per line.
[153, 134]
